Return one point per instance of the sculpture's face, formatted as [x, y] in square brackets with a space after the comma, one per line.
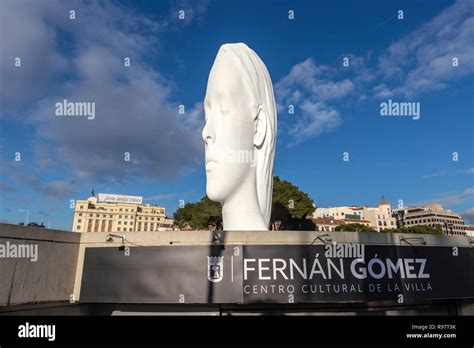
[229, 130]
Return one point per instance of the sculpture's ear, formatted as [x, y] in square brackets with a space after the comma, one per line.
[260, 126]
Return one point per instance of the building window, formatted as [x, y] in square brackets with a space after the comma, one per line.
[78, 227]
[130, 229]
[80, 214]
[111, 216]
[125, 222]
[120, 222]
[118, 229]
[79, 221]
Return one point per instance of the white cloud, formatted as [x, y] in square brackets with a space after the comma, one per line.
[82, 60]
[163, 197]
[312, 91]
[418, 63]
[316, 118]
[421, 61]
[25, 174]
[452, 199]
[468, 171]
[25, 33]
[468, 215]
[383, 91]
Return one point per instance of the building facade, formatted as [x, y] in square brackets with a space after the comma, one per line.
[378, 218]
[329, 224]
[344, 212]
[118, 213]
[469, 229]
[432, 215]
[326, 224]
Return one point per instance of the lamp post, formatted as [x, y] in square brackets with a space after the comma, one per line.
[27, 215]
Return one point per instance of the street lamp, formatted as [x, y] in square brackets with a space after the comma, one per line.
[27, 215]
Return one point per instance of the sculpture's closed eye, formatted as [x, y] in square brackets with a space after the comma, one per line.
[224, 108]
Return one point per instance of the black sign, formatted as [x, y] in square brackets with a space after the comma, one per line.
[276, 273]
[174, 274]
[347, 273]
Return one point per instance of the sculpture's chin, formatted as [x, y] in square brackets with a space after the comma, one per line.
[214, 193]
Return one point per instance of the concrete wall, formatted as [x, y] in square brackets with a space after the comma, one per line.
[58, 272]
[50, 278]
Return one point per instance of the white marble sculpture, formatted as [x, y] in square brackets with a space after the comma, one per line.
[240, 137]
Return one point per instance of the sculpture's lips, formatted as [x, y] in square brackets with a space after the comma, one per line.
[210, 165]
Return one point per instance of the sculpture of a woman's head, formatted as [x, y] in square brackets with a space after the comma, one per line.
[240, 136]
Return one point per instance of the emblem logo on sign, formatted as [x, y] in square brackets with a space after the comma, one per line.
[215, 268]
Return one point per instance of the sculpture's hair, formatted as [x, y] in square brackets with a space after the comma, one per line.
[257, 79]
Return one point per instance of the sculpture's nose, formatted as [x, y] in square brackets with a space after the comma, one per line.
[208, 134]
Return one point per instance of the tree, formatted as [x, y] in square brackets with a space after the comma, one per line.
[199, 215]
[420, 229]
[425, 230]
[290, 206]
[354, 227]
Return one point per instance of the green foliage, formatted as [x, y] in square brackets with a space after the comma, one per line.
[415, 229]
[355, 227]
[200, 215]
[290, 206]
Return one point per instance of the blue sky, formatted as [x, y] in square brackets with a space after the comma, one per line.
[337, 108]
